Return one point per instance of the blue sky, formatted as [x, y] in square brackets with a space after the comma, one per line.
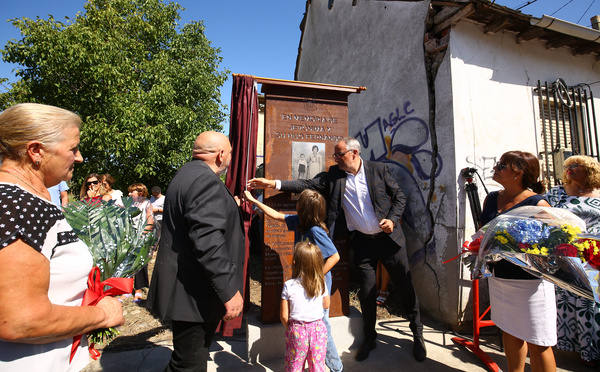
[256, 37]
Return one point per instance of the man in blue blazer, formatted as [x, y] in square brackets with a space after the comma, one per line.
[198, 277]
[365, 203]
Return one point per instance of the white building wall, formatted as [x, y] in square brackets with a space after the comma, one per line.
[495, 106]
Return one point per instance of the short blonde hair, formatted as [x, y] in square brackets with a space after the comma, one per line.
[26, 122]
[591, 166]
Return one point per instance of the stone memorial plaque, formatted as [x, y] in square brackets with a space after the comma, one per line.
[302, 125]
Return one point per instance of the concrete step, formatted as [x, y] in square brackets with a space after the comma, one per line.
[266, 342]
[266, 349]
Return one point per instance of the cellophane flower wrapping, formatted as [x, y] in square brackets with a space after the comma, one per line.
[549, 243]
[116, 236]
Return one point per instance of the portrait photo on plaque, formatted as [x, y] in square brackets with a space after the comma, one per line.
[308, 159]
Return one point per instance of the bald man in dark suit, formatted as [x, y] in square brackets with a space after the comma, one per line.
[198, 277]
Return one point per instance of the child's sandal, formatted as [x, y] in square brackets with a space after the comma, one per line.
[381, 298]
[137, 297]
[122, 298]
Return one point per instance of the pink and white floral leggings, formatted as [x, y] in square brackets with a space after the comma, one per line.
[305, 341]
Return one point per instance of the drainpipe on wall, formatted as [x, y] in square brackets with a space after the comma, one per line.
[567, 28]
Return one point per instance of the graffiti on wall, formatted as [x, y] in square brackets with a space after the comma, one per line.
[484, 165]
[401, 138]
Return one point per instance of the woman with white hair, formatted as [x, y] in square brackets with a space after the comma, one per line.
[43, 265]
[578, 319]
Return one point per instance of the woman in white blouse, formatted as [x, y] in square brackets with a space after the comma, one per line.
[43, 265]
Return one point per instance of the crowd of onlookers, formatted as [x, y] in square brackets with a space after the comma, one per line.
[198, 279]
[99, 187]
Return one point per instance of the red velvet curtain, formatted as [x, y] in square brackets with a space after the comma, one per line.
[243, 129]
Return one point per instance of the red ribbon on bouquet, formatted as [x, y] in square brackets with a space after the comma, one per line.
[94, 293]
[468, 247]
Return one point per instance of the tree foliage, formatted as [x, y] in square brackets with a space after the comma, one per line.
[144, 86]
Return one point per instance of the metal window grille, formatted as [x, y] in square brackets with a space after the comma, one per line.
[566, 126]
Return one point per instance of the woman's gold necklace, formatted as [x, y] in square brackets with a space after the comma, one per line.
[15, 175]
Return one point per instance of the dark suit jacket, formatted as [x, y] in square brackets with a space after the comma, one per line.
[387, 197]
[200, 260]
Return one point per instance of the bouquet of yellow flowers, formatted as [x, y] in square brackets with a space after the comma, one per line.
[550, 243]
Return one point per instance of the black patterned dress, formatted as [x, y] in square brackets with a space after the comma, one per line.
[578, 320]
[43, 227]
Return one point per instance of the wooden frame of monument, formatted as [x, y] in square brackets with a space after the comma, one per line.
[303, 121]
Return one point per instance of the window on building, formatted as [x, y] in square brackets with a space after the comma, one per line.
[566, 126]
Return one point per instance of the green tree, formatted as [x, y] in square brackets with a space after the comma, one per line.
[4, 98]
[144, 86]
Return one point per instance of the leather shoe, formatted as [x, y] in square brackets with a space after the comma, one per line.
[419, 351]
[364, 350]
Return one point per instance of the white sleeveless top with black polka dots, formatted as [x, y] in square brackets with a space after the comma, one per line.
[42, 226]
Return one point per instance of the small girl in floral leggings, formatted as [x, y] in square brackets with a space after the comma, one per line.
[303, 300]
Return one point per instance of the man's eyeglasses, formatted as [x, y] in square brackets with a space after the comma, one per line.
[340, 154]
[92, 182]
[499, 166]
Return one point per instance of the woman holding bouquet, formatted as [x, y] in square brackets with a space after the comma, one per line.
[523, 306]
[578, 319]
[43, 265]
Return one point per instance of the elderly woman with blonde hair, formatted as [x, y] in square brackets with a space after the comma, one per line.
[578, 319]
[43, 265]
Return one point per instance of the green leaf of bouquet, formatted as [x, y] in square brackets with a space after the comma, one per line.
[114, 235]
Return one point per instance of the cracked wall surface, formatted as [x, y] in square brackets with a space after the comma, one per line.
[400, 119]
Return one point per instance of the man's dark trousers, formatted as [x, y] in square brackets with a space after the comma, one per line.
[368, 249]
[191, 342]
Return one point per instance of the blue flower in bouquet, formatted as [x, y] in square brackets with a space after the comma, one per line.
[528, 231]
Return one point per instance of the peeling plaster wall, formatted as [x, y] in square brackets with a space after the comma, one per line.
[379, 44]
[446, 244]
[495, 107]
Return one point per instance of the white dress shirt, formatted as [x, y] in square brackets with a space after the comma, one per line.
[358, 208]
